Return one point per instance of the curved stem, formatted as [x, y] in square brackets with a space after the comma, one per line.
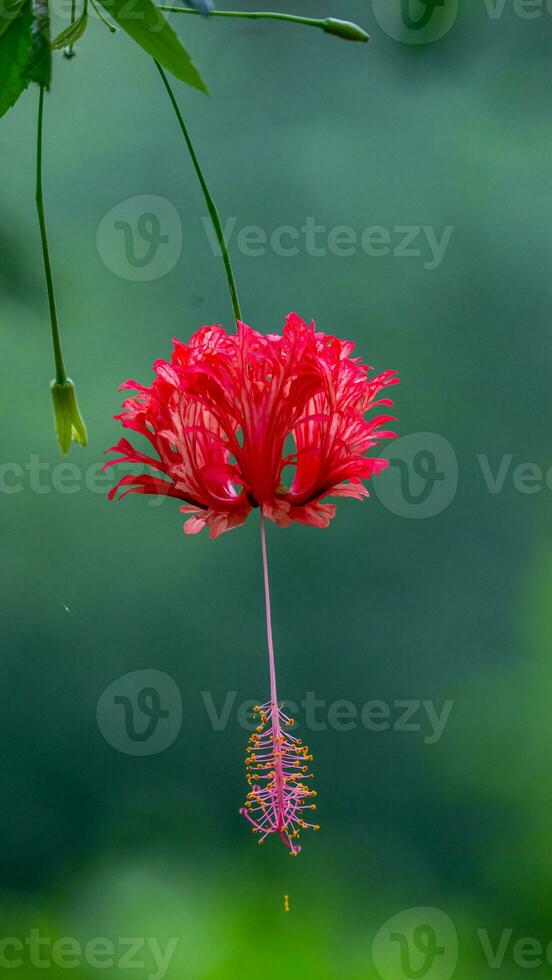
[101, 17]
[61, 375]
[211, 207]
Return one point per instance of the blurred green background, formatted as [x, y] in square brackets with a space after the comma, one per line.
[97, 842]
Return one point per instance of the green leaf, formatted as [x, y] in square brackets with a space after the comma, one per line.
[39, 63]
[9, 10]
[14, 52]
[71, 33]
[147, 25]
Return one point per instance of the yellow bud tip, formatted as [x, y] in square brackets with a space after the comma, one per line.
[345, 29]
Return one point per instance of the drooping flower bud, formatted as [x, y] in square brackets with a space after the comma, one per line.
[70, 424]
[345, 29]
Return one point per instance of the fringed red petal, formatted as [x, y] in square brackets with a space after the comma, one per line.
[222, 412]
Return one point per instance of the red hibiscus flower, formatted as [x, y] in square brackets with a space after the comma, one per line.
[232, 414]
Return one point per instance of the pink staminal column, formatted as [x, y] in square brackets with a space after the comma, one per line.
[276, 761]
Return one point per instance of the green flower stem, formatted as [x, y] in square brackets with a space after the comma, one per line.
[61, 375]
[256, 15]
[341, 28]
[214, 215]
